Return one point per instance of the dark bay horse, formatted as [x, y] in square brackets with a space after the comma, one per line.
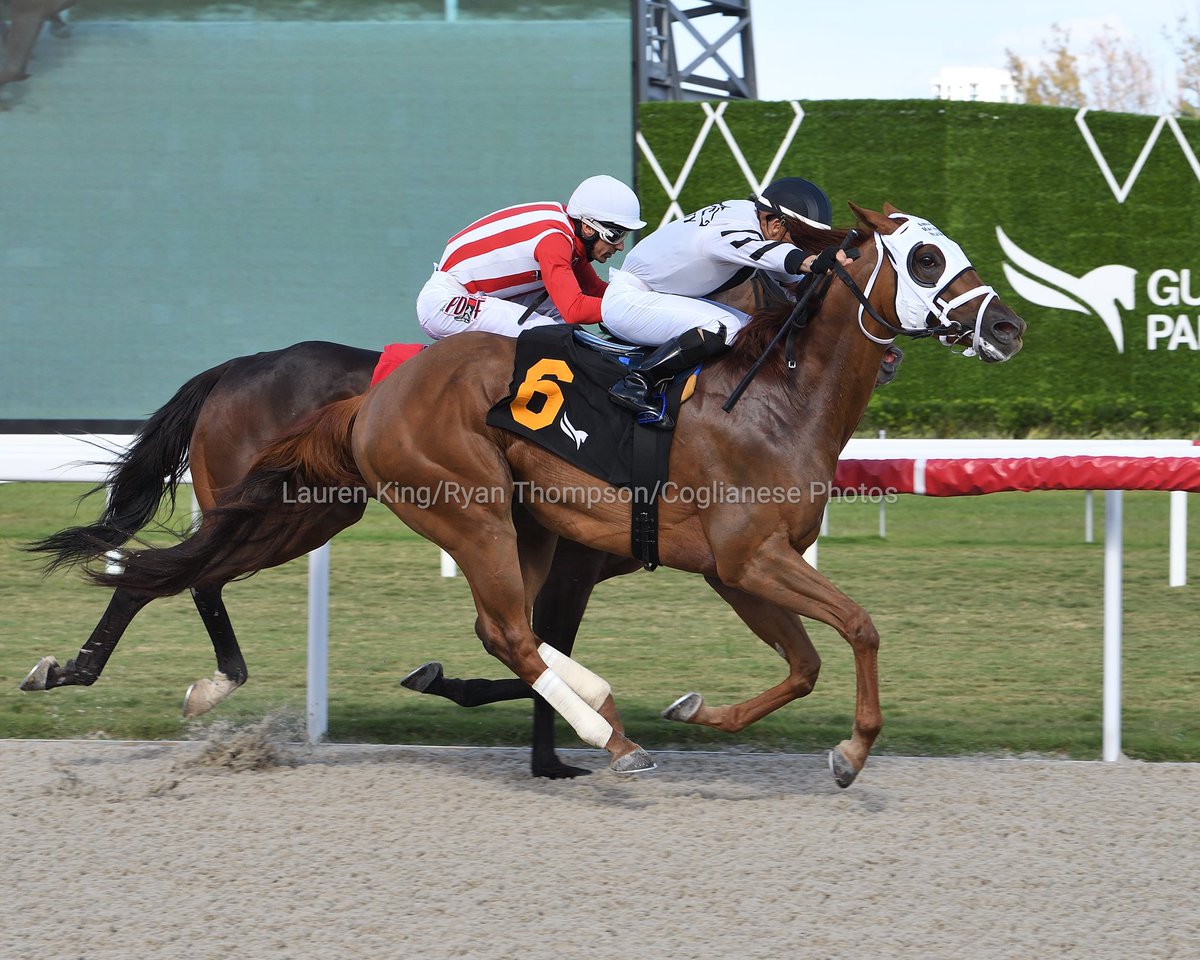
[786, 433]
[219, 421]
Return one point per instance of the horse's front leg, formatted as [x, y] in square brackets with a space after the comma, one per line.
[483, 542]
[231, 671]
[778, 574]
[557, 614]
[89, 662]
[784, 633]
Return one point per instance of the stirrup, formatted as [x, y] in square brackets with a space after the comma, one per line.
[656, 418]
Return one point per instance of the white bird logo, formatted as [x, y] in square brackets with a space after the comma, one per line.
[579, 436]
[1096, 292]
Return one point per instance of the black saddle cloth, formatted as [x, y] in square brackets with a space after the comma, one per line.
[558, 399]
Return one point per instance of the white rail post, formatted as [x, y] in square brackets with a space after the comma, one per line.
[449, 567]
[318, 643]
[1177, 576]
[1089, 527]
[1112, 624]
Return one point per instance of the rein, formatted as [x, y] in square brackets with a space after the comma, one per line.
[948, 330]
[797, 320]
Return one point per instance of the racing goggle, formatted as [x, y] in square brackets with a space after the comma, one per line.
[612, 233]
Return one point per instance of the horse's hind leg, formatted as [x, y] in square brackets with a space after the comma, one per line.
[231, 671]
[779, 629]
[476, 692]
[89, 663]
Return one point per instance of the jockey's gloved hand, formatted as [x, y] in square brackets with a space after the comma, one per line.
[824, 260]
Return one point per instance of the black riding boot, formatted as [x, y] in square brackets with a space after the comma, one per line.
[638, 391]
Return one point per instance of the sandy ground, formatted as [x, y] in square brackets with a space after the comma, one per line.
[149, 850]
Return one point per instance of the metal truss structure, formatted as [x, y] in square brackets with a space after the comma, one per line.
[693, 50]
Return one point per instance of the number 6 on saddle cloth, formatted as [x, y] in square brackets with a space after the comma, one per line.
[559, 400]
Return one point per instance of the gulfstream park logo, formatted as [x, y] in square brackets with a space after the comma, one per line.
[1104, 291]
[579, 436]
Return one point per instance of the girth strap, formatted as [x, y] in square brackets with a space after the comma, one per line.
[643, 530]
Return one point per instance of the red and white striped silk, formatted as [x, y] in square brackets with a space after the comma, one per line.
[497, 254]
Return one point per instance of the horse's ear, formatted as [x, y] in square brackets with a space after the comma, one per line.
[876, 221]
[889, 209]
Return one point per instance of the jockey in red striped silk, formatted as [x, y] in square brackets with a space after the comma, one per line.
[496, 273]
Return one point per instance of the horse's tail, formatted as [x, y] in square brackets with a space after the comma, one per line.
[259, 517]
[152, 467]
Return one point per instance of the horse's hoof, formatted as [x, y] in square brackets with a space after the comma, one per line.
[841, 769]
[557, 770]
[36, 678]
[636, 761]
[205, 694]
[684, 708]
[423, 677]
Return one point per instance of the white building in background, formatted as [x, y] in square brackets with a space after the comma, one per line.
[989, 84]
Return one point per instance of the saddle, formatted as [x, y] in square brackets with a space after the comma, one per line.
[558, 399]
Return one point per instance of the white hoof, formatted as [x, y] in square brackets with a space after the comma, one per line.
[205, 694]
[684, 708]
[36, 678]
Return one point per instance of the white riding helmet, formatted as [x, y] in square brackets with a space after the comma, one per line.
[606, 205]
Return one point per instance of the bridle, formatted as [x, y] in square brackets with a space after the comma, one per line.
[921, 310]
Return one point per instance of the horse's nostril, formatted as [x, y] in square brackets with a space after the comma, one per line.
[1006, 329]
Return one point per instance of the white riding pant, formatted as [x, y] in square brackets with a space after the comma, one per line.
[634, 312]
[445, 307]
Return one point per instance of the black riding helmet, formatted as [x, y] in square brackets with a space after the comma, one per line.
[798, 199]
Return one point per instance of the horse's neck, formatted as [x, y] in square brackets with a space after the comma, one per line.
[837, 367]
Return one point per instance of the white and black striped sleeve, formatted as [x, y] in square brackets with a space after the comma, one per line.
[748, 248]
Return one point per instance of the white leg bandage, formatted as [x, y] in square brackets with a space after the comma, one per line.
[594, 689]
[591, 727]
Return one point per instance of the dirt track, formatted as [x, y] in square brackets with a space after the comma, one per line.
[135, 851]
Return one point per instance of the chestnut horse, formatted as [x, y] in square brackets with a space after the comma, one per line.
[219, 421]
[786, 433]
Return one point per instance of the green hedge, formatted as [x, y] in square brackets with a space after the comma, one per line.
[970, 167]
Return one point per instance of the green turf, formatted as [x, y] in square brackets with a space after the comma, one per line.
[989, 610]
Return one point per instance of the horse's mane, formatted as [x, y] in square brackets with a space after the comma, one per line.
[756, 336]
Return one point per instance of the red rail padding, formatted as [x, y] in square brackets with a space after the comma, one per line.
[874, 476]
[962, 478]
[956, 478]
